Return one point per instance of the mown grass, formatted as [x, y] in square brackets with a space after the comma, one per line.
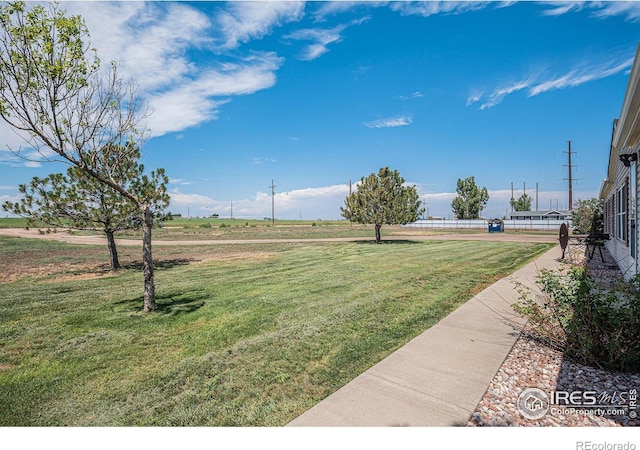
[242, 342]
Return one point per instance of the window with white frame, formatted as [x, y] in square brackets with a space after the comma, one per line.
[621, 231]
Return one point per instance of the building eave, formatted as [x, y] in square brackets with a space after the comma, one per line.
[626, 129]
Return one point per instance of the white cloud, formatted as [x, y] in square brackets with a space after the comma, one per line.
[500, 93]
[411, 96]
[25, 156]
[630, 9]
[308, 203]
[320, 38]
[15, 151]
[262, 160]
[180, 199]
[10, 140]
[391, 122]
[148, 40]
[288, 199]
[427, 9]
[9, 159]
[152, 40]
[193, 103]
[243, 21]
[338, 7]
[582, 75]
[475, 97]
[599, 9]
[179, 181]
[560, 8]
[9, 198]
[539, 83]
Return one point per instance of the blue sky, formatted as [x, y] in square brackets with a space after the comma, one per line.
[313, 95]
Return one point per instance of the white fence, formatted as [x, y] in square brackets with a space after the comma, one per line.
[483, 224]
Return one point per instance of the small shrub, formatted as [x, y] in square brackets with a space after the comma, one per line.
[587, 216]
[314, 224]
[223, 225]
[205, 225]
[575, 315]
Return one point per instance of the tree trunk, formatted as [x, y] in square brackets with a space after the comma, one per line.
[378, 226]
[113, 251]
[147, 262]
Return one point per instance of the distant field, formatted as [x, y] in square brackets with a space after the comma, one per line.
[13, 222]
[226, 229]
[245, 335]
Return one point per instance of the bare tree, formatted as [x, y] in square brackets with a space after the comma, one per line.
[55, 95]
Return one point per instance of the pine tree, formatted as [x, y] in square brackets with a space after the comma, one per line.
[80, 202]
[382, 199]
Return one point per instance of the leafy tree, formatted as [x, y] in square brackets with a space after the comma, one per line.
[587, 216]
[54, 94]
[470, 200]
[522, 204]
[382, 199]
[79, 201]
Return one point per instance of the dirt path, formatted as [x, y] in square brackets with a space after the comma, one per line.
[100, 240]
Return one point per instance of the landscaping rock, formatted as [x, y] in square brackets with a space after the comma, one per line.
[531, 364]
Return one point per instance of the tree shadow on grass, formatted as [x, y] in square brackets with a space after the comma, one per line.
[161, 265]
[170, 305]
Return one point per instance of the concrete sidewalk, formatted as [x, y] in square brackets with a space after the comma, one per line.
[438, 378]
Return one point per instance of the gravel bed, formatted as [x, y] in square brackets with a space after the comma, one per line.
[531, 364]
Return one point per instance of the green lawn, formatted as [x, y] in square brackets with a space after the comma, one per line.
[251, 340]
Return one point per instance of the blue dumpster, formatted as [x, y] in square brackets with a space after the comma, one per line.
[496, 226]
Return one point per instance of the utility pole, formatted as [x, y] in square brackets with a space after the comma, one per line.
[512, 196]
[231, 210]
[570, 166]
[273, 203]
[349, 196]
[537, 196]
